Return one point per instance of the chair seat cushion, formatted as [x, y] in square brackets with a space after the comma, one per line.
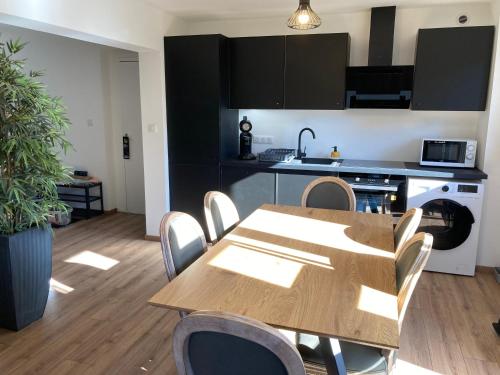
[358, 359]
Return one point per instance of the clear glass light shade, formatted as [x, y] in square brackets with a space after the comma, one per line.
[304, 18]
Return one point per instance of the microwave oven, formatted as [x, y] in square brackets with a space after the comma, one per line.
[456, 153]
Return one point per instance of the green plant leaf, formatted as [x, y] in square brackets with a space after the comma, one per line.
[32, 135]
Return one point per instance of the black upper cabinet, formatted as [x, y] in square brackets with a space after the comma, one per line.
[315, 73]
[200, 127]
[452, 68]
[257, 66]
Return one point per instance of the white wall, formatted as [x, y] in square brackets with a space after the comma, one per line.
[361, 133]
[74, 71]
[126, 24]
[489, 135]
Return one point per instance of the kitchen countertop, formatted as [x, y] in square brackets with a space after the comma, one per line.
[410, 169]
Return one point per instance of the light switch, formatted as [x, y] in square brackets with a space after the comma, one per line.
[152, 128]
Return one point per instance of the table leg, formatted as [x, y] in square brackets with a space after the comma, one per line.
[87, 203]
[102, 198]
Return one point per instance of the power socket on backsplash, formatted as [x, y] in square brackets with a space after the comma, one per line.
[263, 139]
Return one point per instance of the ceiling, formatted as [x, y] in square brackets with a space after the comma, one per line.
[224, 9]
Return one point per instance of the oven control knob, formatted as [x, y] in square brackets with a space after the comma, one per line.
[357, 179]
[469, 156]
[386, 181]
[445, 188]
[471, 148]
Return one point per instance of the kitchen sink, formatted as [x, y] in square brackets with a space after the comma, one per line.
[324, 161]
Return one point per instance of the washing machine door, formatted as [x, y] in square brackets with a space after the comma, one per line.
[448, 221]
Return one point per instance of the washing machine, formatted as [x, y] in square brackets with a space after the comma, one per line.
[452, 214]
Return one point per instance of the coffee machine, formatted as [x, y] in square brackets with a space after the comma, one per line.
[246, 140]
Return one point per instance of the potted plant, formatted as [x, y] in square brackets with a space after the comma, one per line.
[32, 135]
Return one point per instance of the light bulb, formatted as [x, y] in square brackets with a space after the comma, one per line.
[303, 19]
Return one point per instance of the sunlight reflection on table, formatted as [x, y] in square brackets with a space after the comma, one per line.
[287, 252]
[377, 302]
[309, 230]
[257, 265]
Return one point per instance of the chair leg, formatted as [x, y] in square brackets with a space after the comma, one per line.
[390, 357]
[332, 355]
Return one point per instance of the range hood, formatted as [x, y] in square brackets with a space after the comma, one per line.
[380, 84]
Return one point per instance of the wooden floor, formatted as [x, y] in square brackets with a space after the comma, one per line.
[105, 326]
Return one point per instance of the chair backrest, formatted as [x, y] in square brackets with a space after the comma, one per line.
[409, 267]
[406, 227]
[182, 242]
[220, 213]
[329, 192]
[206, 343]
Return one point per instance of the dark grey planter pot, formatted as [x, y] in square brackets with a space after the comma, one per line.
[25, 272]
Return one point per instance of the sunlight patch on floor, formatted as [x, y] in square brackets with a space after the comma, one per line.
[60, 287]
[89, 258]
[407, 368]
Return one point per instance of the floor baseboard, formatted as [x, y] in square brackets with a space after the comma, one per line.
[147, 237]
[485, 269]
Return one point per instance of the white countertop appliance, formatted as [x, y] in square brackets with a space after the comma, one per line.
[452, 214]
[455, 153]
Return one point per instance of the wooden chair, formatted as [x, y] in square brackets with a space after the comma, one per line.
[209, 342]
[182, 242]
[329, 192]
[220, 213]
[363, 359]
[406, 227]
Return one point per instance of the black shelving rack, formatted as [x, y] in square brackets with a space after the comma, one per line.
[92, 192]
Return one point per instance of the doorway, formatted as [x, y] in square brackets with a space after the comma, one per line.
[132, 176]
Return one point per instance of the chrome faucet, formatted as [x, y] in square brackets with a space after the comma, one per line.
[301, 154]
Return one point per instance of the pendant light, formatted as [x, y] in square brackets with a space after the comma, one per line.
[304, 18]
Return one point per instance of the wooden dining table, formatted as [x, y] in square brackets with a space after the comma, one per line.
[323, 272]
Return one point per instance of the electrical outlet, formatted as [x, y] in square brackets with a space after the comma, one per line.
[269, 140]
[257, 139]
[263, 139]
[90, 123]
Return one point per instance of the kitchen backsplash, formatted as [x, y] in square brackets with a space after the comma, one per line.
[360, 134]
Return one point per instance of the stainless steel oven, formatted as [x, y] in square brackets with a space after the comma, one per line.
[378, 193]
[456, 153]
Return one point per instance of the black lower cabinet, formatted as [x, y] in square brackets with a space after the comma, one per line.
[188, 185]
[25, 272]
[248, 188]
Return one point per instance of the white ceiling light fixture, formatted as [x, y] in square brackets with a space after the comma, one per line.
[304, 18]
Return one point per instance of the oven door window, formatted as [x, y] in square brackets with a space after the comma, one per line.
[449, 222]
[376, 202]
[448, 152]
